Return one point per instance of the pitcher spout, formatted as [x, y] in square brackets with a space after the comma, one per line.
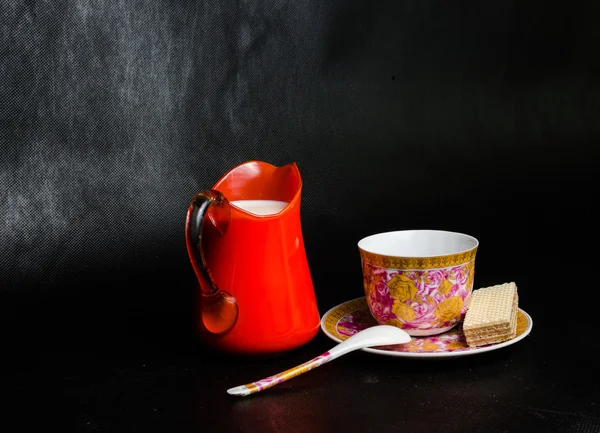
[263, 186]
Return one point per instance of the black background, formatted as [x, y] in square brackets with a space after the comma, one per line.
[473, 117]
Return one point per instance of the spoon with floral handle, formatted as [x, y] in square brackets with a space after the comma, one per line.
[380, 335]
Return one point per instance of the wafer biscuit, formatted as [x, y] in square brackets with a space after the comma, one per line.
[492, 315]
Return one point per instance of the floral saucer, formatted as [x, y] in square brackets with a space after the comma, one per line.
[345, 320]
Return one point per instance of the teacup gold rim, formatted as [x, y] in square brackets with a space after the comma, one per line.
[419, 262]
[431, 262]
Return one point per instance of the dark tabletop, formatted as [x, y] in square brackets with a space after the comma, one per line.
[110, 371]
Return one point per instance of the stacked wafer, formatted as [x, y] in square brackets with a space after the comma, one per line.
[492, 315]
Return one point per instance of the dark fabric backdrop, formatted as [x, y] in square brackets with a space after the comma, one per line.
[474, 117]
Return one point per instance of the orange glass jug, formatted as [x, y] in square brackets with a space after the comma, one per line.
[244, 240]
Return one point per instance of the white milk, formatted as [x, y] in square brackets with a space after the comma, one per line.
[261, 207]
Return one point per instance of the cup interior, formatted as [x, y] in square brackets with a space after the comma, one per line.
[418, 243]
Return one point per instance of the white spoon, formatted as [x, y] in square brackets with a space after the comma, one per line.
[380, 335]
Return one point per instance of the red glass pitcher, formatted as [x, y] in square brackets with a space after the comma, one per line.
[244, 240]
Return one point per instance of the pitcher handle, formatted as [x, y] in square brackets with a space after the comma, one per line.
[219, 309]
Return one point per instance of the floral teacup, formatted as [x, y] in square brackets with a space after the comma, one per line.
[418, 280]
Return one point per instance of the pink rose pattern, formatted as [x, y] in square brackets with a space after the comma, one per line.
[356, 321]
[380, 301]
